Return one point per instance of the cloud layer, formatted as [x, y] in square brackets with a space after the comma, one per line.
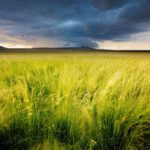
[72, 22]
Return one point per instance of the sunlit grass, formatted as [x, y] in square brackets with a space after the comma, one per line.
[79, 101]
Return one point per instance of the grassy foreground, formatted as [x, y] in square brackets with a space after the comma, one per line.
[75, 101]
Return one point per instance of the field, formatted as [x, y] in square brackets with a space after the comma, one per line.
[75, 101]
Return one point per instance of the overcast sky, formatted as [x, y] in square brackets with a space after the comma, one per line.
[112, 24]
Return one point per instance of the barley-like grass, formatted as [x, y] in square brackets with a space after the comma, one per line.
[75, 101]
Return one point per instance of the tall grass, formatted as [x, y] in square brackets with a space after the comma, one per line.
[91, 102]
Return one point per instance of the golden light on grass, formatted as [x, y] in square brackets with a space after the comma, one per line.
[84, 101]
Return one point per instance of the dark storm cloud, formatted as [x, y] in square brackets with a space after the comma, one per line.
[138, 12]
[75, 22]
[109, 4]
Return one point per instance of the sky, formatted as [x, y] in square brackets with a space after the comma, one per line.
[104, 24]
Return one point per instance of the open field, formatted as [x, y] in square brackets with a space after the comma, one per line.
[75, 101]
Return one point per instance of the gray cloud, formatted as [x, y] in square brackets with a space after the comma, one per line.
[104, 5]
[76, 22]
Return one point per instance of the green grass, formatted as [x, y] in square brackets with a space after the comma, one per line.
[92, 101]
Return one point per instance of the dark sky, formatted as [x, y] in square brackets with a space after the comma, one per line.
[91, 23]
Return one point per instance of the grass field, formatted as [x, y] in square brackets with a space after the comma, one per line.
[75, 101]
